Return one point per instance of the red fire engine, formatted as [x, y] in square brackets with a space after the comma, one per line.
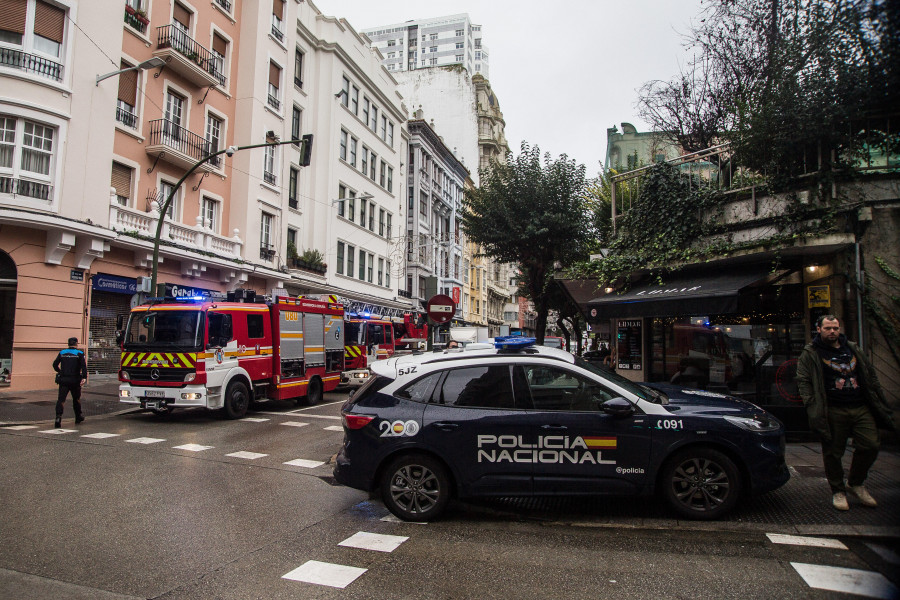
[368, 339]
[227, 354]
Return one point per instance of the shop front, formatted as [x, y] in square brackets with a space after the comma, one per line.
[111, 296]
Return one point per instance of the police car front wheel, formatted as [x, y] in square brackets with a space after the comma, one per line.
[415, 487]
[701, 483]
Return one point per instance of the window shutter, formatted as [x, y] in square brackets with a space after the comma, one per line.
[219, 44]
[278, 8]
[121, 180]
[49, 21]
[274, 74]
[128, 85]
[12, 15]
[182, 15]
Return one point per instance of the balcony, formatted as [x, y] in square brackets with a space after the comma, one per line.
[125, 115]
[277, 33]
[10, 57]
[224, 5]
[136, 19]
[24, 187]
[188, 58]
[274, 102]
[180, 146]
[269, 178]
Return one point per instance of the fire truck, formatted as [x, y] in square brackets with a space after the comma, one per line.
[225, 355]
[368, 339]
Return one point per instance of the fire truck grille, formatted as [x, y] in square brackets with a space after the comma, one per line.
[166, 375]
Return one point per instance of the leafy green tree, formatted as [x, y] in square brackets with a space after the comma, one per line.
[533, 214]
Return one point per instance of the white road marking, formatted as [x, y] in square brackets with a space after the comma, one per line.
[145, 440]
[100, 436]
[291, 412]
[851, 581]
[333, 428]
[800, 540]
[885, 553]
[21, 427]
[295, 424]
[394, 519]
[255, 419]
[58, 431]
[296, 410]
[378, 542]
[309, 464]
[247, 455]
[322, 573]
[192, 447]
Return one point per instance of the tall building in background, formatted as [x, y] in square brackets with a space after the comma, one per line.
[437, 42]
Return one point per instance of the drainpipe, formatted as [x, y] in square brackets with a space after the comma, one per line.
[859, 288]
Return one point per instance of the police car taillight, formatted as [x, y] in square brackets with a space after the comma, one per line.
[356, 421]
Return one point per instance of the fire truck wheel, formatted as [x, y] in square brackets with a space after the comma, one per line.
[314, 391]
[237, 399]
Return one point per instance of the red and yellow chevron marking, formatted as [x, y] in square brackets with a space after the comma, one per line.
[352, 351]
[599, 442]
[333, 299]
[170, 360]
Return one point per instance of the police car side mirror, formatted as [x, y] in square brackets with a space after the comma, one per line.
[618, 407]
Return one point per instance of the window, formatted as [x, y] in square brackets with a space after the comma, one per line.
[383, 177]
[362, 213]
[165, 190]
[298, 68]
[391, 42]
[390, 139]
[459, 33]
[120, 179]
[214, 137]
[371, 267]
[371, 216]
[372, 165]
[419, 390]
[383, 127]
[354, 100]
[37, 49]
[380, 270]
[432, 61]
[387, 275]
[381, 214]
[340, 258]
[365, 160]
[390, 179]
[553, 388]
[485, 387]
[433, 36]
[374, 125]
[389, 226]
[295, 124]
[423, 203]
[365, 112]
[255, 328]
[351, 206]
[342, 193]
[269, 165]
[278, 20]
[219, 52]
[353, 152]
[126, 114]
[362, 264]
[345, 92]
[210, 213]
[459, 58]
[351, 250]
[173, 118]
[293, 202]
[292, 237]
[266, 250]
[459, 45]
[274, 84]
[343, 151]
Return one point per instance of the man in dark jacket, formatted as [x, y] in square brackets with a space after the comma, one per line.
[71, 370]
[843, 399]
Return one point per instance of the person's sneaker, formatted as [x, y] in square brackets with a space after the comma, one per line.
[862, 494]
[79, 419]
[57, 423]
[839, 501]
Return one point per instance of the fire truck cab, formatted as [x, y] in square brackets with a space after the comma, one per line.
[224, 355]
[368, 339]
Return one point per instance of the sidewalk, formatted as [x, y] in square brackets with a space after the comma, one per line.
[99, 397]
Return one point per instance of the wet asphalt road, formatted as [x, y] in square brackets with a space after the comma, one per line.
[122, 515]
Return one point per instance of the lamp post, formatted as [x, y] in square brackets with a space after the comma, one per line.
[305, 152]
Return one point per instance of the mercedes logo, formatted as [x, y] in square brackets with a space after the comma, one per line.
[154, 374]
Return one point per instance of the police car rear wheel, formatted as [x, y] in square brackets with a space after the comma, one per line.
[701, 483]
[415, 487]
[237, 400]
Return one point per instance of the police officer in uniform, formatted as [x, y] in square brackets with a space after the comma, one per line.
[71, 369]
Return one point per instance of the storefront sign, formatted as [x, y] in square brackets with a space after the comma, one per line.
[629, 354]
[102, 282]
[818, 296]
[175, 290]
[76, 275]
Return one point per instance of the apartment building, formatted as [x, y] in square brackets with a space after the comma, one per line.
[434, 240]
[436, 42]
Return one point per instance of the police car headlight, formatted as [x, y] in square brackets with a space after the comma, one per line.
[756, 423]
[190, 377]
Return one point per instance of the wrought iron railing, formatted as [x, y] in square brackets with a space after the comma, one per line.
[274, 102]
[126, 117]
[269, 177]
[166, 133]
[24, 187]
[277, 33]
[10, 57]
[170, 36]
[225, 5]
[136, 22]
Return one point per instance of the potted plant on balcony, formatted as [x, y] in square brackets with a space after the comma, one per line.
[310, 260]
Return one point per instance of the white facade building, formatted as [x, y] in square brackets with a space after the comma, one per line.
[437, 42]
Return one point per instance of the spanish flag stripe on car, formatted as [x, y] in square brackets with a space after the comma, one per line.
[600, 442]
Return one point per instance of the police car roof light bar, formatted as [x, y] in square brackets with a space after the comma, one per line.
[513, 343]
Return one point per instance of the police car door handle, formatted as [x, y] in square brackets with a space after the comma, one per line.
[554, 427]
[446, 426]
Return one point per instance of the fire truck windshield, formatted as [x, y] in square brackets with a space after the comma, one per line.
[165, 328]
[355, 332]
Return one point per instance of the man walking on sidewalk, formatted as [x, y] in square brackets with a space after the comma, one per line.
[843, 399]
[71, 374]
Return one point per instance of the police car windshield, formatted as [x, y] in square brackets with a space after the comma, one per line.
[165, 329]
[637, 390]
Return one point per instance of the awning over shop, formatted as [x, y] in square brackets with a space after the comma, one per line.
[702, 294]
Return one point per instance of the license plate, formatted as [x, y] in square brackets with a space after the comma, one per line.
[152, 405]
[155, 394]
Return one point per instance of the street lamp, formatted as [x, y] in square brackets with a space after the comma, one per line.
[305, 153]
[150, 63]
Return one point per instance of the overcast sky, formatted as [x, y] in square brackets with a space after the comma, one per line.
[562, 77]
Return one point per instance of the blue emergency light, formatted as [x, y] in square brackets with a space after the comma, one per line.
[513, 342]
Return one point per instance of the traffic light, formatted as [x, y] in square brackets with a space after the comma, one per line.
[306, 150]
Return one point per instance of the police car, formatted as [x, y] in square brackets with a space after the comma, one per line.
[523, 420]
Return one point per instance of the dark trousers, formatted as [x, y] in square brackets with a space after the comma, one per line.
[858, 423]
[64, 389]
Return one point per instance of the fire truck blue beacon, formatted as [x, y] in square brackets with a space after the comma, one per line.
[517, 419]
